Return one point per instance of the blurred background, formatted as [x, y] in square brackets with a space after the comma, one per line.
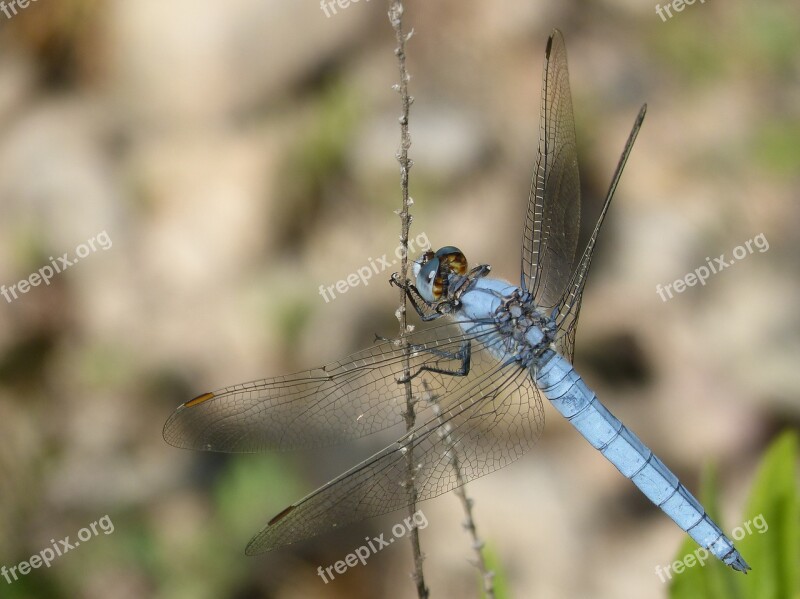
[239, 155]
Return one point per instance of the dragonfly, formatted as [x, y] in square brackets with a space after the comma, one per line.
[477, 373]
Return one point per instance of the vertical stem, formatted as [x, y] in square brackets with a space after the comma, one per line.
[487, 576]
[396, 19]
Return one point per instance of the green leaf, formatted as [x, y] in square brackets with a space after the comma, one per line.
[494, 564]
[768, 536]
[772, 546]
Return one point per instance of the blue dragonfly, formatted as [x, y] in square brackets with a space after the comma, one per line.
[477, 380]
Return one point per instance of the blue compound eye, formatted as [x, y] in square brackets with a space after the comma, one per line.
[429, 281]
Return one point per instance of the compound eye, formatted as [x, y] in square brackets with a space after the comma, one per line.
[429, 281]
[419, 262]
[452, 259]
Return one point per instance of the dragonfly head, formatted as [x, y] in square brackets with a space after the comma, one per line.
[433, 269]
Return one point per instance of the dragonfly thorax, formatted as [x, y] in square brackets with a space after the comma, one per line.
[518, 317]
[506, 319]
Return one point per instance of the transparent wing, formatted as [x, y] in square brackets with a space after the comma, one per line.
[486, 422]
[565, 339]
[552, 222]
[322, 406]
[570, 305]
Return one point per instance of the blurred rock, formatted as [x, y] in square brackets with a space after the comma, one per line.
[184, 63]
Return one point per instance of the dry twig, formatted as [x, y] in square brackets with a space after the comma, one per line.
[396, 19]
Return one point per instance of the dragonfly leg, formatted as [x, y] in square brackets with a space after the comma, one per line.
[479, 271]
[463, 355]
[427, 310]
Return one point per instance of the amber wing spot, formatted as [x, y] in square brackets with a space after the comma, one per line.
[281, 516]
[198, 400]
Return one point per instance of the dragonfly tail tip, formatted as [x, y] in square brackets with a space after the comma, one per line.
[736, 561]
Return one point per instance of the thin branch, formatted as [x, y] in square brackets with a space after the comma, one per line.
[487, 575]
[396, 19]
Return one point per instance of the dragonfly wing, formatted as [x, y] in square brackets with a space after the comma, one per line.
[322, 406]
[570, 304]
[552, 222]
[565, 339]
[485, 422]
